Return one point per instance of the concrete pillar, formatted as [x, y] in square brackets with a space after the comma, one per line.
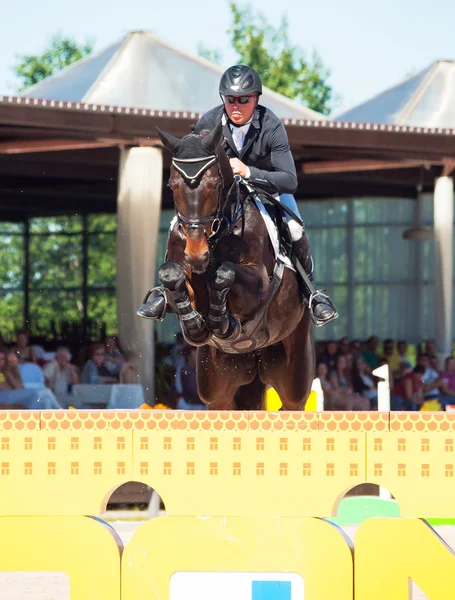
[443, 230]
[138, 218]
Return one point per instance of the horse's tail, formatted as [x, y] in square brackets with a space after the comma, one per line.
[251, 396]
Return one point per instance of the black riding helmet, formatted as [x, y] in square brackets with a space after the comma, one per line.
[240, 80]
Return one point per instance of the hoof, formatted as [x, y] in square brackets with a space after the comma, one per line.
[224, 277]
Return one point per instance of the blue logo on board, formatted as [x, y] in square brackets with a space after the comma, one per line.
[271, 590]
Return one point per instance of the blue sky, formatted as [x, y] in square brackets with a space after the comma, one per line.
[368, 46]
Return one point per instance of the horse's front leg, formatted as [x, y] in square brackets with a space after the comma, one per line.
[173, 278]
[221, 322]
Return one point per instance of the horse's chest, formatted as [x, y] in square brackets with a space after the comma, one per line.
[239, 246]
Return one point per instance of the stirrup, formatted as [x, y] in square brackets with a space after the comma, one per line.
[160, 290]
[319, 295]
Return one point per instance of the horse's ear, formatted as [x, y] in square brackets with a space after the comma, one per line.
[213, 139]
[170, 142]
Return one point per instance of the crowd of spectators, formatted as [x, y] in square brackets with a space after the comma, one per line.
[34, 378]
[417, 380]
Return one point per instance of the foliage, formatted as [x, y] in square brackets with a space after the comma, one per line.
[56, 273]
[61, 52]
[283, 67]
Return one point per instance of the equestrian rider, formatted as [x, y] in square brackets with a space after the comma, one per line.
[256, 143]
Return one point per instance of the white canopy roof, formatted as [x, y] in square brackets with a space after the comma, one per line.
[142, 71]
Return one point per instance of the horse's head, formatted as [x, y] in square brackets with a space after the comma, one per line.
[199, 172]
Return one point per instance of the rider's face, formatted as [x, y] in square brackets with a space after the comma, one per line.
[240, 113]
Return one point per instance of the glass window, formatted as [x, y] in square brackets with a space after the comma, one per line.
[102, 308]
[11, 313]
[55, 261]
[317, 213]
[101, 260]
[12, 261]
[384, 310]
[328, 248]
[381, 254]
[7, 227]
[61, 224]
[102, 223]
[338, 328]
[50, 308]
[383, 210]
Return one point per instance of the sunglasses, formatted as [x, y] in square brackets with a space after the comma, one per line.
[239, 99]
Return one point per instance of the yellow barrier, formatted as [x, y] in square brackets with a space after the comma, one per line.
[240, 471]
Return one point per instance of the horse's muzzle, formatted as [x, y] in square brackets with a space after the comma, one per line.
[198, 265]
[197, 250]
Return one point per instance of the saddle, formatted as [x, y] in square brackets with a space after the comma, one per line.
[254, 334]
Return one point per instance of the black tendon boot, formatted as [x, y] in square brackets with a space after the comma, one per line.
[321, 307]
[222, 324]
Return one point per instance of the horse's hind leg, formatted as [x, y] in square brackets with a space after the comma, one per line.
[219, 377]
[289, 366]
[222, 324]
[173, 278]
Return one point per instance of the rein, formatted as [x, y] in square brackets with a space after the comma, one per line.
[221, 224]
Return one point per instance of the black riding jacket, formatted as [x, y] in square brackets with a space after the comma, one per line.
[265, 149]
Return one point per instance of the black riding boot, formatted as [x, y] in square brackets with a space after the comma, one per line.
[322, 309]
[154, 308]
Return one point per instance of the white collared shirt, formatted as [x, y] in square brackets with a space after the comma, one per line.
[239, 134]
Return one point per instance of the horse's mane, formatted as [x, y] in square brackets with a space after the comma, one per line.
[191, 145]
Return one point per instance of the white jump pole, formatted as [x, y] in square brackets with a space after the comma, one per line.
[383, 406]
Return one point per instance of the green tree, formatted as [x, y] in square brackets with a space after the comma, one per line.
[283, 67]
[60, 53]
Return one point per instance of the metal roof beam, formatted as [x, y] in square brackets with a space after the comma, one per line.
[24, 146]
[347, 166]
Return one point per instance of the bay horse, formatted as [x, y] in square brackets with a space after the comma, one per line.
[239, 305]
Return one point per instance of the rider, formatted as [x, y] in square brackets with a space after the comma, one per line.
[256, 143]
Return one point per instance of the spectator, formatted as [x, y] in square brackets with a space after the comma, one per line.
[61, 375]
[338, 377]
[9, 379]
[341, 396]
[388, 352]
[356, 348]
[344, 346]
[25, 353]
[434, 363]
[12, 366]
[349, 361]
[322, 372]
[407, 394]
[362, 382]
[189, 399]
[114, 358]
[370, 354]
[430, 348]
[330, 355]
[447, 378]
[430, 378]
[402, 348]
[95, 370]
[12, 392]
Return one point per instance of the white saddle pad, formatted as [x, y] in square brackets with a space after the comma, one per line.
[273, 234]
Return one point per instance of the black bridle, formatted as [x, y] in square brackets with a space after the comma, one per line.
[222, 224]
